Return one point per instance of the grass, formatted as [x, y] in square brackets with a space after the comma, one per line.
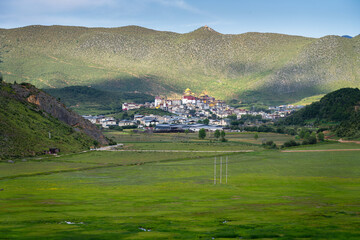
[34, 167]
[24, 130]
[248, 137]
[161, 138]
[327, 145]
[269, 195]
[309, 100]
[193, 146]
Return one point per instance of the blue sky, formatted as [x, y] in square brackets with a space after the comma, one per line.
[312, 18]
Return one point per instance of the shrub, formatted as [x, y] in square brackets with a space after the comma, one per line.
[111, 142]
[302, 133]
[129, 127]
[305, 142]
[290, 143]
[217, 133]
[116, 127]
[270, 145]
[202, 133]
[96, 143]
[222, 134]
[312, 140]
[321, 137]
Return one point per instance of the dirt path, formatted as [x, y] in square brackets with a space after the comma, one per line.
[323, 150]
[348, 141]
[185, 151]
[109, 148]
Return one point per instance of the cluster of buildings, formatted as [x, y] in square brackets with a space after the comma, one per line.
[188, 111]
[157, 122]
[102, 120]
[191, 105]
[205, 106]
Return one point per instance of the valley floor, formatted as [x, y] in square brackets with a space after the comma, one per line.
[165, 195]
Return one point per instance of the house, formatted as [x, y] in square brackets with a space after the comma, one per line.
[130, 106]
[171, 127]
[151, 122]
[125, 122]
[147, 119]
[109, 121]
[92, 119]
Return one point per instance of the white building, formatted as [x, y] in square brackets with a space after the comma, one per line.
[130, 106]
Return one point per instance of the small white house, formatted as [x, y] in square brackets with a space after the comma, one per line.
[126, 123]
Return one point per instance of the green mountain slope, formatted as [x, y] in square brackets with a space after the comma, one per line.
[25, 123]
[267, 67]
[339, 108]
[88, 100]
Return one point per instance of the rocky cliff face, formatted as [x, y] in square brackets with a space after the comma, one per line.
[50, 105]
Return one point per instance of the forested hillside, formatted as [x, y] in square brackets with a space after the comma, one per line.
[339, 109]
[251, 67]
[89, 100]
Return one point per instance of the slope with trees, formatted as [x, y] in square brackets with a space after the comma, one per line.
[338, 110]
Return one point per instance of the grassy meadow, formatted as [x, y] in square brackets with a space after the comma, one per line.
[246, 138]
[154, 195]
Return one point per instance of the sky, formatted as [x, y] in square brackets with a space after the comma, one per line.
[310, 18]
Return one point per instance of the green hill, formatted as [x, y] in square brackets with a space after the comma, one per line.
[28, 115]
[339, 109]
[252, 67]
[88, 100]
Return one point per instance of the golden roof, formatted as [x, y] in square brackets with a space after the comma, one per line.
[187, 91]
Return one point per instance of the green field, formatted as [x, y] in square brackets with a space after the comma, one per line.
[127, 136]
[143, 195]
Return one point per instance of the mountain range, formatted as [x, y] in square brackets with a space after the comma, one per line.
[251, 67]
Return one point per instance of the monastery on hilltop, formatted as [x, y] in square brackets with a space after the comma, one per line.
[188, 98]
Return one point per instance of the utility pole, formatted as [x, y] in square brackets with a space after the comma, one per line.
[215, 170]
[49, 135]
[226, 170]
[220, 169]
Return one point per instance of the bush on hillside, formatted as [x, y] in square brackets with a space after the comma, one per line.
[290, 143]
[269, 145]
[321, 137]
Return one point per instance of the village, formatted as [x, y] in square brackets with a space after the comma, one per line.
[190, 112]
